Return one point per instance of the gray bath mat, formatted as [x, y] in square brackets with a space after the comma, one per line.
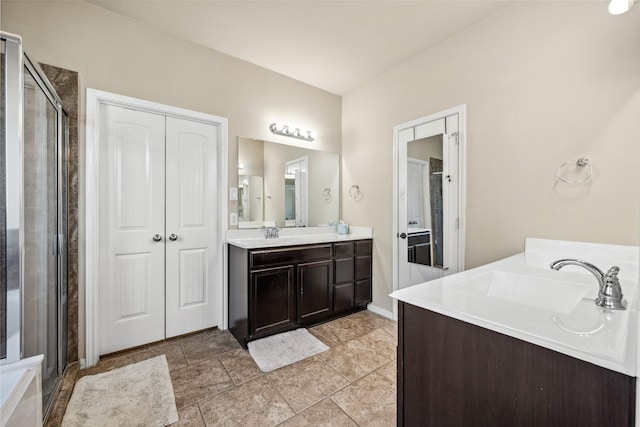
[284, 349]
[136, 395]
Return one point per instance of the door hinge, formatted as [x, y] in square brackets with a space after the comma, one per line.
[457, 223]
[457, 136]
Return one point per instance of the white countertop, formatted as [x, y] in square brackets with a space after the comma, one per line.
[254, 239]
[522, 297]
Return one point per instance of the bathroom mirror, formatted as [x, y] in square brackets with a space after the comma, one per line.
[286, 186]
[424, 201]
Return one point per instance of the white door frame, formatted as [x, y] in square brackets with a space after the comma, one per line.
[92, 204]
[461, 110]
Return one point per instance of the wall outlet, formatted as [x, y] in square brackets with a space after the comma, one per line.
[233, 193]
[233, 218]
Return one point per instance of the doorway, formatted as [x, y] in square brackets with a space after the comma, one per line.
[429, 189]
[156, 211]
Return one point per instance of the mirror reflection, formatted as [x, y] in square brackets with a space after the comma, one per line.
[425, 201]
[286, 186]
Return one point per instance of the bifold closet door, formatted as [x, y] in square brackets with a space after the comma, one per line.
[132, 223]
[191, 218]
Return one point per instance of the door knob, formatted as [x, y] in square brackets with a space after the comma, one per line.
[402, 235]
[157, 237]
[173, 237]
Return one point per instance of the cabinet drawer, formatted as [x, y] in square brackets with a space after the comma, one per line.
[343, 249]
[343, 297]
[363, 292]
[363, 246]
[419, 239]
[363, 267]
[343, 270]
[266, 257]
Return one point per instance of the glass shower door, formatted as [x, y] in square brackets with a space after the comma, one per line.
[43, 279]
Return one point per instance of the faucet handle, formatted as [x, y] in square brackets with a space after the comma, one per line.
[613, 271]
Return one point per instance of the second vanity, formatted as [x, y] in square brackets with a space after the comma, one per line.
[516, 343]
[304, 277]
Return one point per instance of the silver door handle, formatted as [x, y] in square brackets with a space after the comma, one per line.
[173, 237]
[157, 237]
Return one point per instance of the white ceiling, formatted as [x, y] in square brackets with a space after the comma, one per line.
[335, 45]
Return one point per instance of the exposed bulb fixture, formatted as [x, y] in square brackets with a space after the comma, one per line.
[617, 7]
[294, 132]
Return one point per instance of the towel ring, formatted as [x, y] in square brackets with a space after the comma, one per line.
[355, 192]
[326, 195]
[581, 162]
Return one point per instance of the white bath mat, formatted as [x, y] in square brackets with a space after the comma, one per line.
[136, 395]
[284, 349]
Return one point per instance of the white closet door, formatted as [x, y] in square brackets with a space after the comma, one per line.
[132, 308]
[191, 218]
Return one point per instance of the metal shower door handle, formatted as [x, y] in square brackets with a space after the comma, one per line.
[173, 237]
[157, 237]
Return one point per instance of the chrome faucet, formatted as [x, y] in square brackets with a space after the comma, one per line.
[610, 293]
[270, 232]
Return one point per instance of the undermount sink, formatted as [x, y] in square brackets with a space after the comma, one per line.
[537, 292]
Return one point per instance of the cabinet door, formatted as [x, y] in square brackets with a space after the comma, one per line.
[315, 290]
[272, 299]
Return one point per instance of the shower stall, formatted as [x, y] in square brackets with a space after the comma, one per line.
[33, 218]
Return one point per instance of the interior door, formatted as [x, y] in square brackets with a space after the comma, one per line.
[431, 140]
[132, 299]
[191, 218]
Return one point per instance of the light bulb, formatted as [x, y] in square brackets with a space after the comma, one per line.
[313, 134]
[278, 127]
[617, 7]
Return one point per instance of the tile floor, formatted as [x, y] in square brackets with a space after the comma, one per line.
[216, 382]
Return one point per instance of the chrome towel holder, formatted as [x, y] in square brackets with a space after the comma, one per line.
[582, 162]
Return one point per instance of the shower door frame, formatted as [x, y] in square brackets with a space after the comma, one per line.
[17, 62]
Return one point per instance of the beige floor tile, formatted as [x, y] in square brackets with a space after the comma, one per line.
[323, 414]
[370, 401]
[389, 371]
[254, 403]
[317, 332]
[341, 330]
[172, 351]
[306, 382]
[372, 320]
[199, 381]
[208, 344]
[189, 417]
[361, 356]
[240, 365]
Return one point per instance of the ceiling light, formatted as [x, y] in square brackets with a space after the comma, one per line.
[616, 7]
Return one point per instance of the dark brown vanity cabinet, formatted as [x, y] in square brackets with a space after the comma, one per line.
[315, 293]
[273, 289]
[278, 289]
[452, 373]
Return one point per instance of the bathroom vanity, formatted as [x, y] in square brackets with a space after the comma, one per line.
[280, 284]
[515, 343]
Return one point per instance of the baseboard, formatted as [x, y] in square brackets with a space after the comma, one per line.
[380, 311]
[83, 363]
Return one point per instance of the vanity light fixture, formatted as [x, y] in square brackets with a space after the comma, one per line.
[294, 132]
[617, 7]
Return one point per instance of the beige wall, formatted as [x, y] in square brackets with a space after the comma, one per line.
[119, 55]
[543, 82]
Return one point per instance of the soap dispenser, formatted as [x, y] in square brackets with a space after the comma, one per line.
[343, 228]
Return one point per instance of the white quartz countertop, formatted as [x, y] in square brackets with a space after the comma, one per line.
[522, 297]
[254, 239]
